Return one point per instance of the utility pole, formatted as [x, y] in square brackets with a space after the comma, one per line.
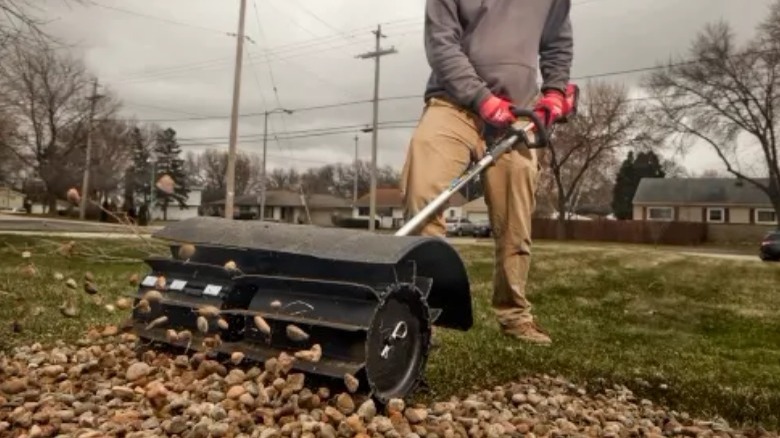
[231, 162]
[355, 182]
[376, 54]
[265, 149]
[262, 176]
[85, 182]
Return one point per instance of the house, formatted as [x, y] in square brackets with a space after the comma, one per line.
[711, 200]
[175, 212]
[286, 206]
[390, 208]
[10, 199]
[475, 210]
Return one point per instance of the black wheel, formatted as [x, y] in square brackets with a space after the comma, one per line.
[397, 344]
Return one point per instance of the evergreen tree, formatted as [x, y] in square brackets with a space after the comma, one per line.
[632, 170]
[139, 175]
[648, 165]
[622, 192]
[170, 163]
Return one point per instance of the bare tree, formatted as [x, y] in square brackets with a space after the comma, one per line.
[211, 165]
[673, 169]
[47, 97]
[193, 168]
[726, 97]
[713, 173]
[20, 22]
[588, 144]
[112, 155]
[282, 178]
[11, 168]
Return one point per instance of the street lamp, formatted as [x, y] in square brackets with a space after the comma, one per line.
[265, 149]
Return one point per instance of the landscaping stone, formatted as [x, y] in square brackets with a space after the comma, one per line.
[100, 387]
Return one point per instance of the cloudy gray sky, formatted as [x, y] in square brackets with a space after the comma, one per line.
[171, 61]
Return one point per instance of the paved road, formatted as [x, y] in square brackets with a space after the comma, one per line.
[20, 224]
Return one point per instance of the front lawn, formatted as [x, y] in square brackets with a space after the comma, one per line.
[698, 334]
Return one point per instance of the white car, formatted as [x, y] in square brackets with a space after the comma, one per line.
[459, 226]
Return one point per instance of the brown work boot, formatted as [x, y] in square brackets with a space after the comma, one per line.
[527, 331]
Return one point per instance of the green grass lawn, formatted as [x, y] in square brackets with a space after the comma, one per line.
[34, 301]
[697, 334]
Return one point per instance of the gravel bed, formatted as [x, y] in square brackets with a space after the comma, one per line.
[100, 387]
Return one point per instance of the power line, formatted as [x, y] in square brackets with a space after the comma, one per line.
[353, 34]
[315, 16]
[351, 128]
[420, 96]
[290, 18]
[290, 50]
[158, 18]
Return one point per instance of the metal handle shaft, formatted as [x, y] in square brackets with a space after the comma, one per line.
[432, 207]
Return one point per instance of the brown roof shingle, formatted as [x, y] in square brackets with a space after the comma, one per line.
[391, 197]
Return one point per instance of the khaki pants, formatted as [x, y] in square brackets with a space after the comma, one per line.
[440, 150]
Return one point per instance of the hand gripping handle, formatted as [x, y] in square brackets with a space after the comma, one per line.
[542, 133]
[572, 100]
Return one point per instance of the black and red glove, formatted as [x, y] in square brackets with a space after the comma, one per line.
[497, 111]
[551, 106]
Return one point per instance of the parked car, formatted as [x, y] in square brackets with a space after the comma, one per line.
[770, 246]
[482, 229]
[459, 226]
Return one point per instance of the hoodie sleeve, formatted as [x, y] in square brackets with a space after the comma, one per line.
[447, 60]
[556, 48]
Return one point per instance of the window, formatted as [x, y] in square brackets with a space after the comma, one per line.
[660, 213]
[716, 215]
[765, 216]
[364, 211]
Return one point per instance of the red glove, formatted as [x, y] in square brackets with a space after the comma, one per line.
[497, 111]
[550, 107]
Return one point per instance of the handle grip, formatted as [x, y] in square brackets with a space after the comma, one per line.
[572, 98]
[542, 136]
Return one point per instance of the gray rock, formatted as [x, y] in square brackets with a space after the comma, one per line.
[215, 396]
[217, 413]
[150, 423]
[137, 371]
[271, 432]
[219, 429]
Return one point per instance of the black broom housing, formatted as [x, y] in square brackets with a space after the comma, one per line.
[353, 301]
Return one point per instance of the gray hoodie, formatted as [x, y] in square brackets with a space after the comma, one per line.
[476, 47]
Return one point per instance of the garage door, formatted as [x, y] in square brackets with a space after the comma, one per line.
[477, 216]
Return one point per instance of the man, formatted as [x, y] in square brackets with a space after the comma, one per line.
[484, 56]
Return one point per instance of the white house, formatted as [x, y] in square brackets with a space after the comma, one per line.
[389, 207]
[177, 213]
[475, 210]
[286, 206]
[10, 199]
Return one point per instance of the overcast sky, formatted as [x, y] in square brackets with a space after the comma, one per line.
[172, 61]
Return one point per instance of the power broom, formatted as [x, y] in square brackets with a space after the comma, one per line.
[334, 301]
